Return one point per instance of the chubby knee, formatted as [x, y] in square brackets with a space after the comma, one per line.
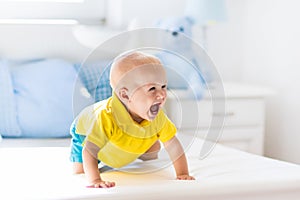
[152, 152]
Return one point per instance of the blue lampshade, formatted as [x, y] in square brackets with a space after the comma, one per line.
[206, 12]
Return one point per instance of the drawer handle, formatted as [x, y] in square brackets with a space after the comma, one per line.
[227, 114]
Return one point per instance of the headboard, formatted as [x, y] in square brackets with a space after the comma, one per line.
[40, 41]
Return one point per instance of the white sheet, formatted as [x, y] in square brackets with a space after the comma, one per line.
[45, 173]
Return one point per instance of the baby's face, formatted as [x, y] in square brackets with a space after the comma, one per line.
[141, 88]
[146, 101]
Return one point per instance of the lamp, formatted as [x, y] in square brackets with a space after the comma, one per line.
[205, 13]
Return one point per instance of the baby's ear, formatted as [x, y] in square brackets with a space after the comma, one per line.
[123, 94]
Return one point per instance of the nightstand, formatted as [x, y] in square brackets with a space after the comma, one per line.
[244, 117]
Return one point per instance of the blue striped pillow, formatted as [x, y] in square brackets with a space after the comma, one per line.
[95, 77]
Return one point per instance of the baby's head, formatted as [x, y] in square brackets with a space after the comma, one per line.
[139, 80]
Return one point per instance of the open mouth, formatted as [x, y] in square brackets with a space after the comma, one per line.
[154, 109]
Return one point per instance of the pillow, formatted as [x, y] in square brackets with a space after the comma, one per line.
[44, 97]
[8, 118]
[95, 77]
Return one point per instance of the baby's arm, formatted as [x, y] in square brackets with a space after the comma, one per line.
[178, 158]
[90, 165]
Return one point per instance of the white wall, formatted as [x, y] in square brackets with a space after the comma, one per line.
[146, 12]
[260, 44]
[272, 58]
[225, 41]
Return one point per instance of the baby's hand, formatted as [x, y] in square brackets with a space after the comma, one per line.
[185, 177]
[102, 184]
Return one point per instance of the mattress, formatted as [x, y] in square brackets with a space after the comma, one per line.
[42, 171]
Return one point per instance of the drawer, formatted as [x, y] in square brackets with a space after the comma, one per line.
[227, 134]
[238, 112]
[244, 112]
[250, 139]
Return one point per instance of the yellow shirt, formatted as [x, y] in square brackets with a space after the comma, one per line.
[116, 138]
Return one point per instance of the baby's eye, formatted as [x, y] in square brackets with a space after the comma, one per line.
[151, 89]
[164, 86]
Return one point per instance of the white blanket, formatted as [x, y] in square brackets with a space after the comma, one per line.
[45, 173]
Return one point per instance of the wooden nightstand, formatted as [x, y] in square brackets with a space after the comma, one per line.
[244, 119]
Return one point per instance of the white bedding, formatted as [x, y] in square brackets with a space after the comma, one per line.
[45, 173]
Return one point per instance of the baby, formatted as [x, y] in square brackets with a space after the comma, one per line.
[128, 125]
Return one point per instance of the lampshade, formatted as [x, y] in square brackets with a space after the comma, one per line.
[206, 12]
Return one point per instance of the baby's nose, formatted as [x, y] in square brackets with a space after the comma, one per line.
[160, 94]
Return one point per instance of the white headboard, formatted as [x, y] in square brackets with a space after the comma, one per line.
[24, 41]
[36, 41]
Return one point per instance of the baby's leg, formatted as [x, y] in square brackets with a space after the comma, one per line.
[76, 151]
[151, 153]
[77, 168]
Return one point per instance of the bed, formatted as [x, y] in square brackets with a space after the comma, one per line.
[40, 169]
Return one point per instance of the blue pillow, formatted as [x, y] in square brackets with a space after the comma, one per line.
[44, 97]
[8, 118]
[95, 77]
